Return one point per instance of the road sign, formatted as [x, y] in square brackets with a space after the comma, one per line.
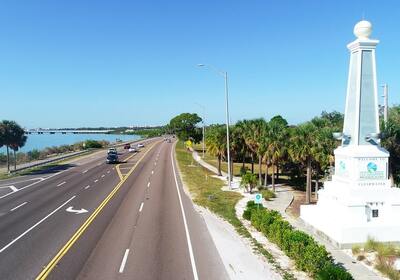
[258, 198]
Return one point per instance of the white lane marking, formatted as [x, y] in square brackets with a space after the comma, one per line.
[60, 184]
[148, 184]
[22, 204]
[141, 207]
[23, 181]
[35, 225]
[102, 176]
[76, 211]
[30, 185]
[88, 186]
[124, 259]
[108, 171]
[152, 171]
[192, 261]
[96, 181]
[85, 171]
[13, 188]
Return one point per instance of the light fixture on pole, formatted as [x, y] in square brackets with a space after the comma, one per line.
[225, 75]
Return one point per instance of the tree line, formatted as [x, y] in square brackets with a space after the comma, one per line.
[303, 152]
[13, 137]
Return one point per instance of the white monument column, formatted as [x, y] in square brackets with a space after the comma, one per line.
[359, 201]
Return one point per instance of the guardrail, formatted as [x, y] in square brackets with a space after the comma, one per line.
[69, 155]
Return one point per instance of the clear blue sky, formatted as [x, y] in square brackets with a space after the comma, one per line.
[91, 63]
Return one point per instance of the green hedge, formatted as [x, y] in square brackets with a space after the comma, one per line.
[307, 254]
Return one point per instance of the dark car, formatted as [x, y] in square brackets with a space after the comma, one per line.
[127, 146]
[112, 158]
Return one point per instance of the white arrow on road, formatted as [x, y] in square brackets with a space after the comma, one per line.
[72, 210]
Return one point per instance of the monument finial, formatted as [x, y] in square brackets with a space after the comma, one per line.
[363, 29]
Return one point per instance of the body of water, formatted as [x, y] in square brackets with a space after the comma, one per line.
[41, 141]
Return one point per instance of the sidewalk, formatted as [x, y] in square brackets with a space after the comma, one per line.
[284, 198]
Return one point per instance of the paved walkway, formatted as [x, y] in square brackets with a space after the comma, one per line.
[284, 196]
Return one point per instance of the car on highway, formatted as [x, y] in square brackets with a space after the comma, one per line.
[127, 146]
[140, 145]
[112, 150]
[132, 150]
[112, 158]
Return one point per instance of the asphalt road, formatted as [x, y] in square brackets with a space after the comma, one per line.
[90, 220]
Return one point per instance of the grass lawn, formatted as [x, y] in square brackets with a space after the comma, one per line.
[206, 191]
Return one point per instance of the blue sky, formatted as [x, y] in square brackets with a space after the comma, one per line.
[91, 63]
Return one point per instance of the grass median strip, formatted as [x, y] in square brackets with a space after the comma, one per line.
[206, 192]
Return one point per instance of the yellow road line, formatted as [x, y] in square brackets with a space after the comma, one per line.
[50, 266]
[119, 172]
[121, 176]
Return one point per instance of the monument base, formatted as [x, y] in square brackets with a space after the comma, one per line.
[333, 228]
[359, 202]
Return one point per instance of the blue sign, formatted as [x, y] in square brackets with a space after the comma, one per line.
[258, 198]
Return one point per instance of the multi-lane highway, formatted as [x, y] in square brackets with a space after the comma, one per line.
[91, 220]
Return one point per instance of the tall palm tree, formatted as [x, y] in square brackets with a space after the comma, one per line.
[238, 135]
[301, 150]
[276, 147]
[13, 137]
[216, 143]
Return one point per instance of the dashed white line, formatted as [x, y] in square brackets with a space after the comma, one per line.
[22, 204]
[108, 171]
[152, 171]
[141, 207]
[124, 259]
[102, 176]
[85, 171]
[60, 184]
[88, 186]
[148, 184]
[35, 225]
[96, 181]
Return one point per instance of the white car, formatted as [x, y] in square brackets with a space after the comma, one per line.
[140, 145]
[132, 150]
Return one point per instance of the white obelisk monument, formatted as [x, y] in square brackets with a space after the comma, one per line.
[359, 202]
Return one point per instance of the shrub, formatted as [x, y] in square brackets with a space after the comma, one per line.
[307, 254]
[267, 194]
[356, 249]
[333, 272]
[371, 245]
[90, 144]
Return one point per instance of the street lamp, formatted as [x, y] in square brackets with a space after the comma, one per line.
[204, 128]
[225, 75]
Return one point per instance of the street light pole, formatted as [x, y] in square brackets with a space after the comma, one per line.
[225, 75]
[227, 130]
[385, 102]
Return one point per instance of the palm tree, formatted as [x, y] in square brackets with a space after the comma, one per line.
[301, 150]
[238, 136]
[216, 143]
[19, 142]
[12, 137]
[276, 148]
[254, 138]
